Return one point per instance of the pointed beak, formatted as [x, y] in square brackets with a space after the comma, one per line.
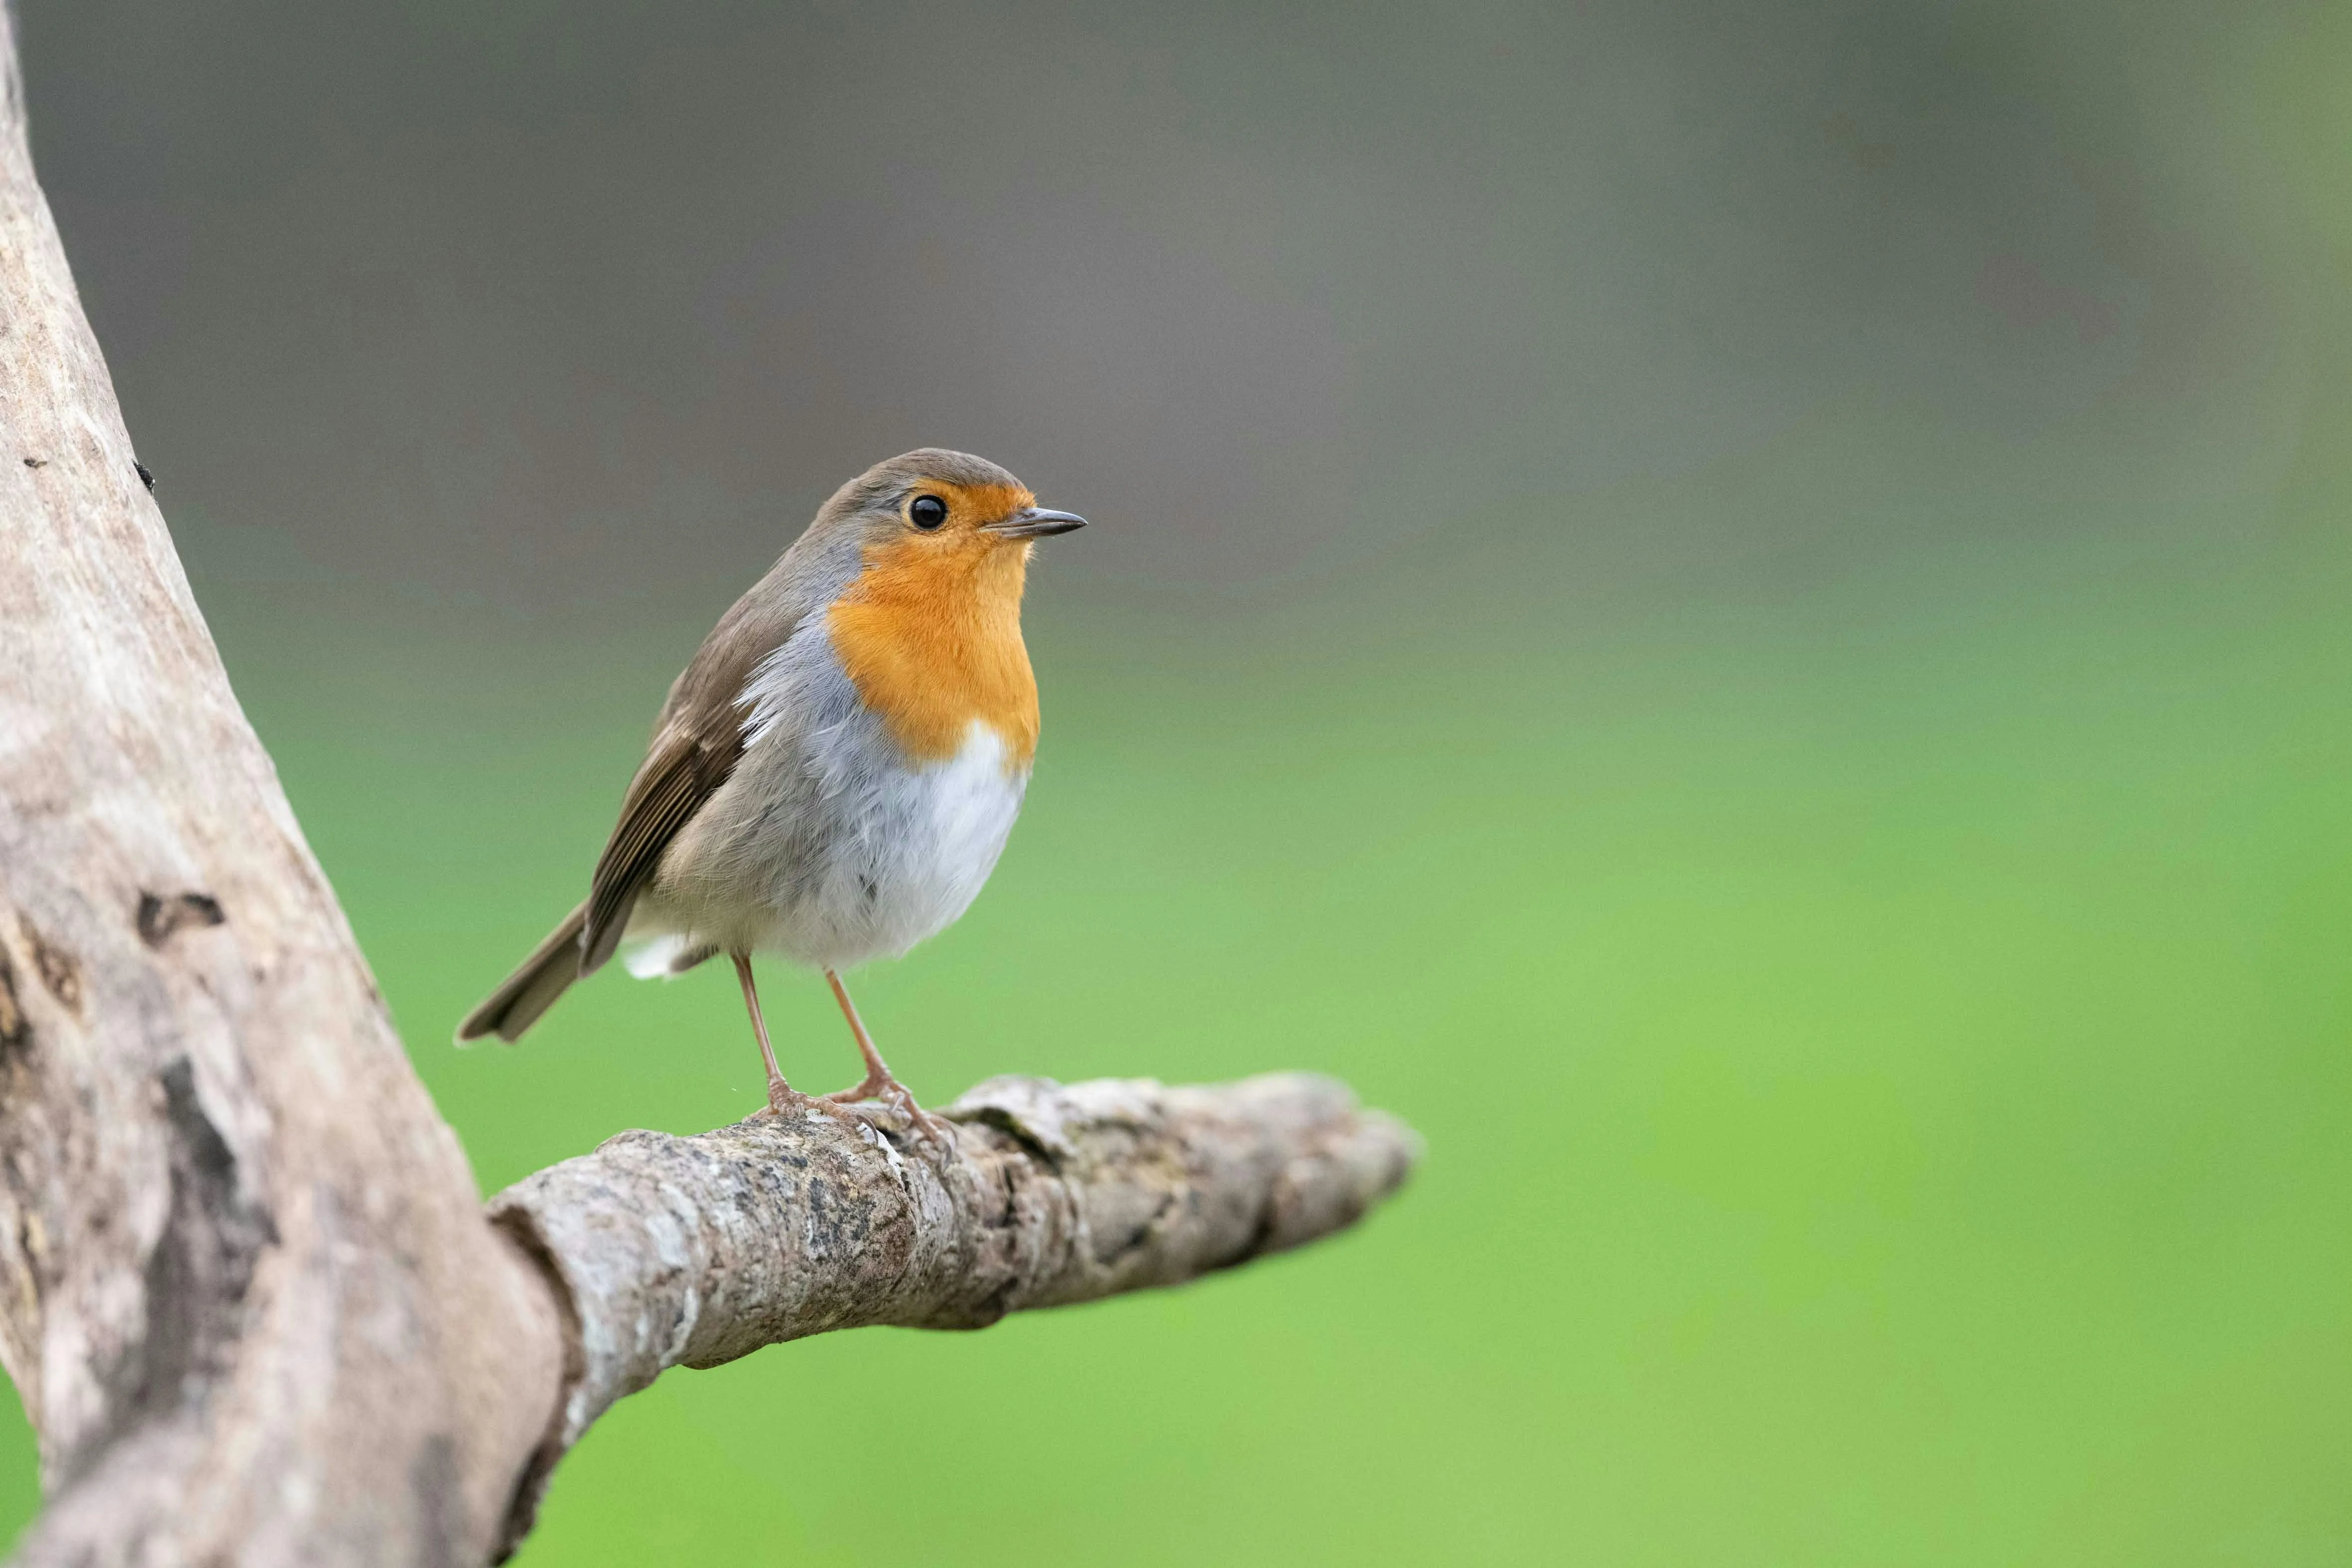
[1035, 523]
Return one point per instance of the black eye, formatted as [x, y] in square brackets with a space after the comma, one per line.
[928, 512]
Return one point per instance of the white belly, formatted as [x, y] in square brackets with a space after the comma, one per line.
[930, 839]
[892, 854]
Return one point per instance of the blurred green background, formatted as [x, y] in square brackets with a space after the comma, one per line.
[1738, 610]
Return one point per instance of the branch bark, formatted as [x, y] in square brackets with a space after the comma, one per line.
[249, 1293]
[693, 1251]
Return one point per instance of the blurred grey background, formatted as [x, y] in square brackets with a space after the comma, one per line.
[488, 308]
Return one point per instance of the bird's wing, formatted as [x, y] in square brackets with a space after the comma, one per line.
[685, 769]
[700, 734]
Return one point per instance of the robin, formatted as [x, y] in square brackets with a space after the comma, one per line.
[835, 773]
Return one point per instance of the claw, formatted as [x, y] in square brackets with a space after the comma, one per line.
[933, 1127]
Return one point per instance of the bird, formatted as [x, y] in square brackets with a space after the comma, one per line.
[836, 772]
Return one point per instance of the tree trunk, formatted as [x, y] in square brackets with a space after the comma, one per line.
[249, 1292]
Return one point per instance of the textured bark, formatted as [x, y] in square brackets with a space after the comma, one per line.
[237, 1240]
[694, 1251]
[249, 1293]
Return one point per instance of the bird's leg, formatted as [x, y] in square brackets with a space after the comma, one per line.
[879, 1079]
[780, 1093]
[880, 1082]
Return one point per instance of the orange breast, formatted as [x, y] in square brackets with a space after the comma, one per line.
[931, 636]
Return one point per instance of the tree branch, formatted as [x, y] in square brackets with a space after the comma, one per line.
[693, 1251]
[249, 1292]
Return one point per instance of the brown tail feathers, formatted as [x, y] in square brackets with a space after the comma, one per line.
[532, 988]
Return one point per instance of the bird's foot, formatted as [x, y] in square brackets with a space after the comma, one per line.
[882, 1087]
[784, 1100]
[877, 1086]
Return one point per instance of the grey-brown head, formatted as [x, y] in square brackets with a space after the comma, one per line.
[941, 503]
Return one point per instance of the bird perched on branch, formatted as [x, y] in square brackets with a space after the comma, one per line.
[834, 775]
